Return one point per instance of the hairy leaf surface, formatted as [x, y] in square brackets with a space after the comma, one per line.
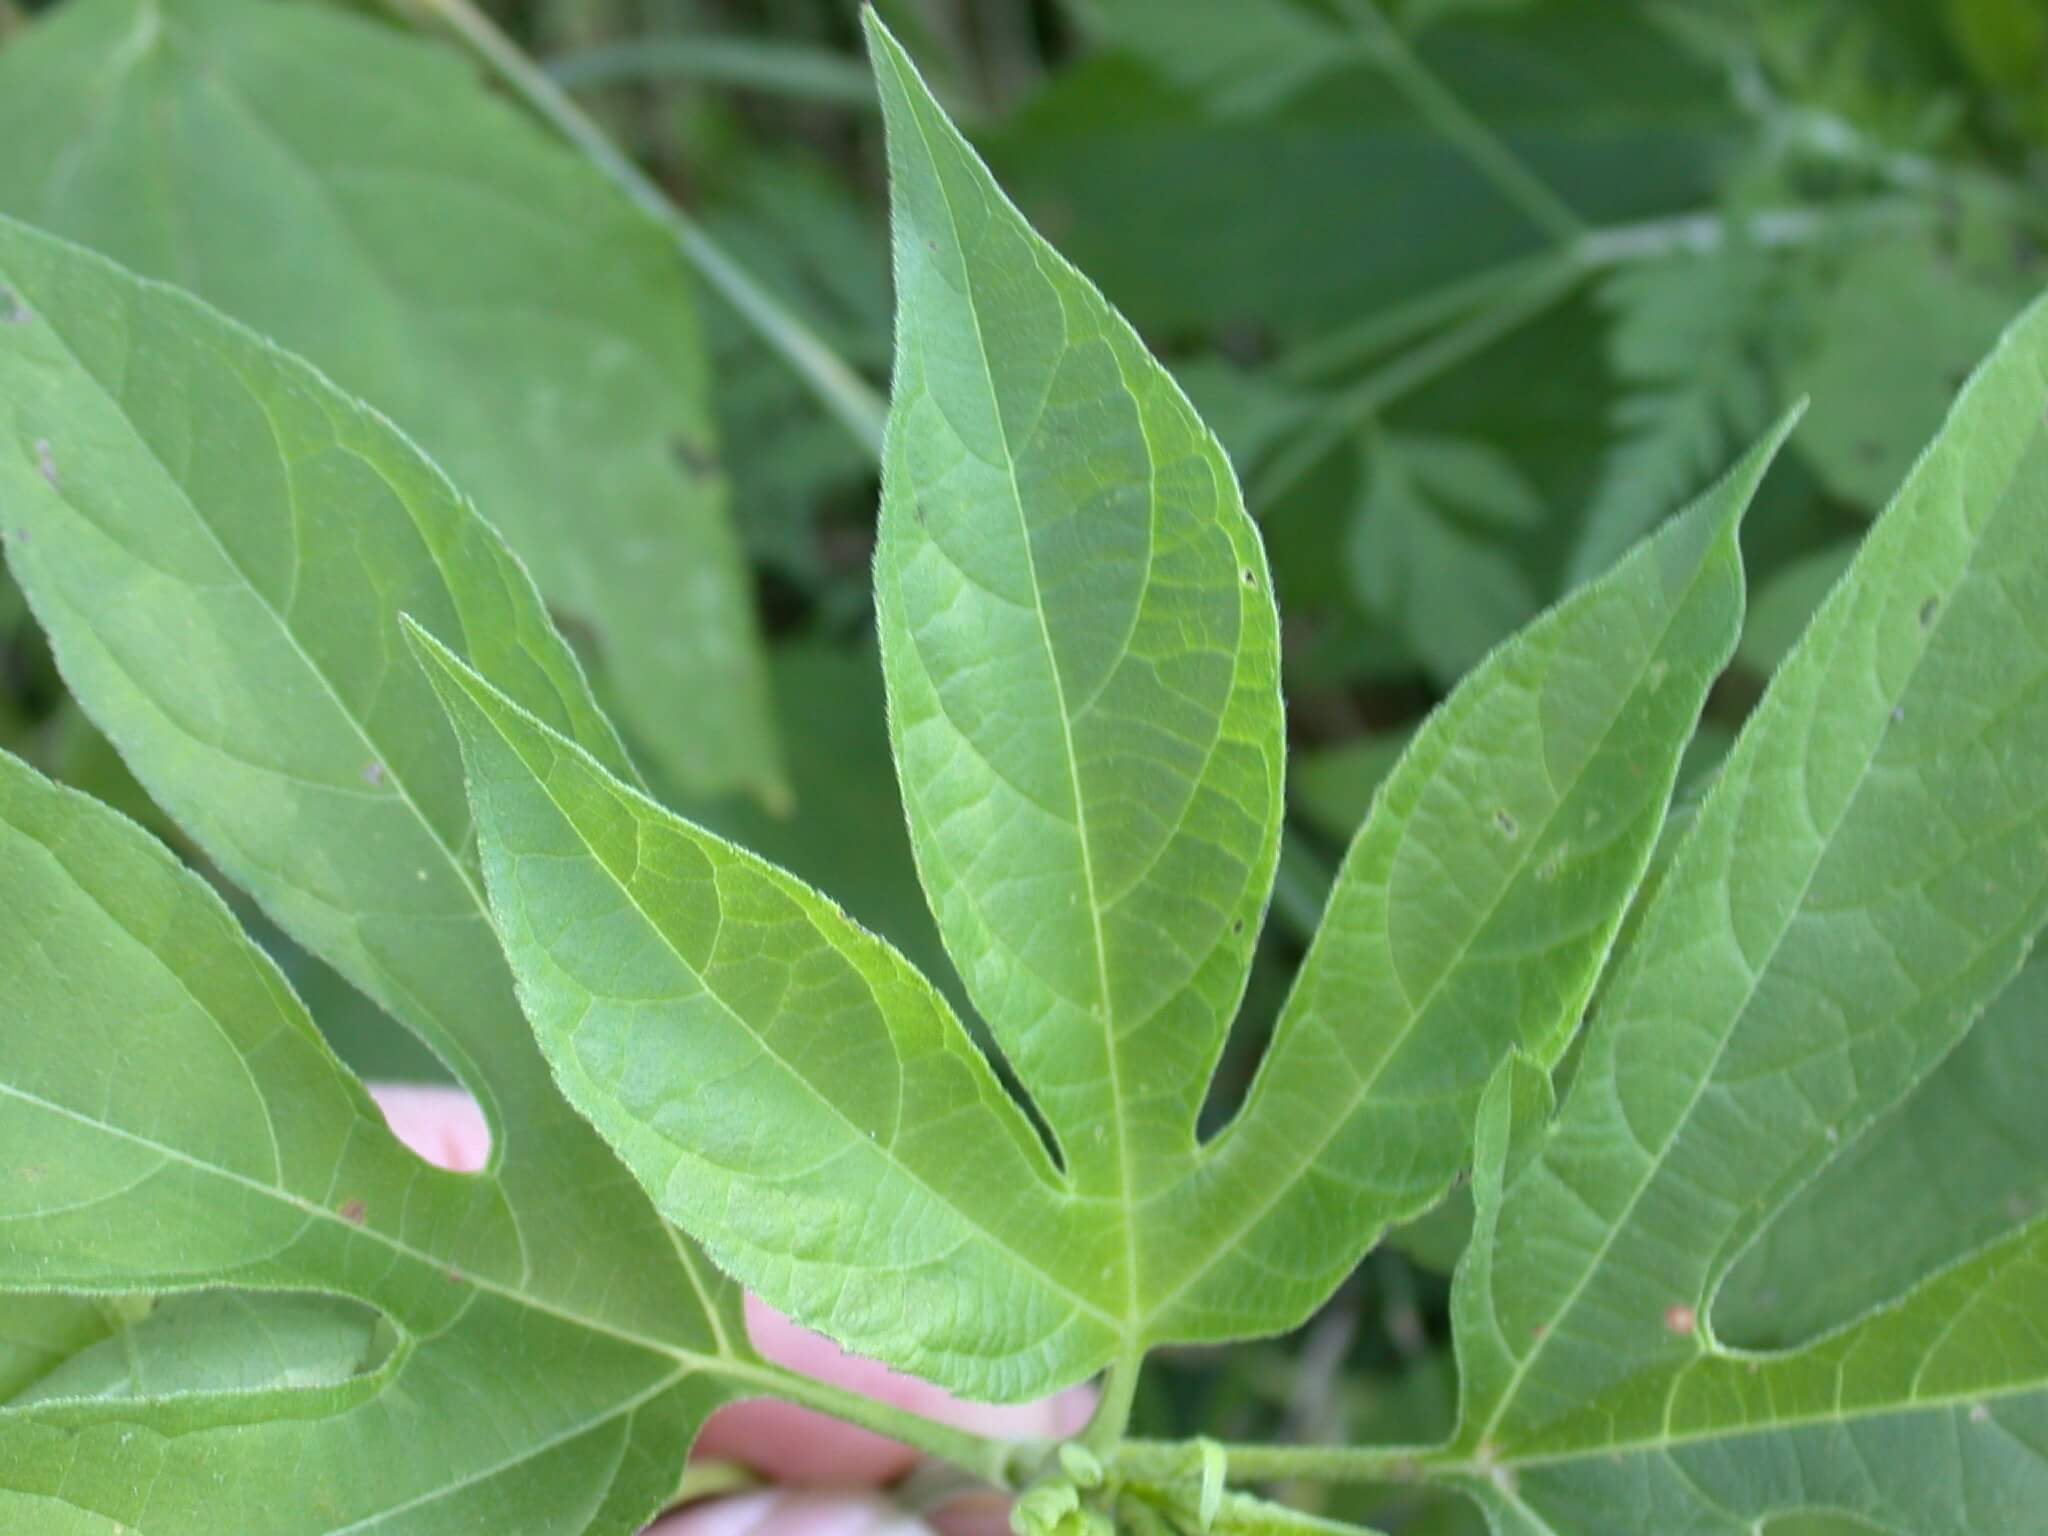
[1864, 877]
[358, 195]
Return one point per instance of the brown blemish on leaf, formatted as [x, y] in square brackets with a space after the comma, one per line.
[1681, 1319]
[353, 1212]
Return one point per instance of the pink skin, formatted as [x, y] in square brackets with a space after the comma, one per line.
[793, 1447]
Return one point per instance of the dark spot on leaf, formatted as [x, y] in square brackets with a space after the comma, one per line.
[1238, 926]
[1249, 579]
[353, 1212]
[917, 511]
[1869, 450]
[12, 310]
[1957, 378]
[932, 246]
[1508, 825]
[1928, 610]
[693, 456]
[46, 461]
[373, 773]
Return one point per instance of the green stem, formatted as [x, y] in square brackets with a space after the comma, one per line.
[1456, 122]
[844, 393]
[1166, 1462]
[1491, 304]
[998, 1463]
[1349, 410]
[788, 69]
[1112, 1415]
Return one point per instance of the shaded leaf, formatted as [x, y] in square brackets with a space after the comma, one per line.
[444, 260]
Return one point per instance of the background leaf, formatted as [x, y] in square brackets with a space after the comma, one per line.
[445, 261]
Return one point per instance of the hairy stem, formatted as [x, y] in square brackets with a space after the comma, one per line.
[850, 399]
[1000, 1463]
[1112, 1416]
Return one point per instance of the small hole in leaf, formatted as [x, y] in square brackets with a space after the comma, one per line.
[1249, 579]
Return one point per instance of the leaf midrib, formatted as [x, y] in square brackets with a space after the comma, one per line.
[638, 804]
[1125, 1179]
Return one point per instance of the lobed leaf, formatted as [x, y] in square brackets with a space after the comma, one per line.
[360, 196]
[173, 1120]
[1471, 918]
[218, 543]
[785, 1084]
[1082, 657]
[1863, 879]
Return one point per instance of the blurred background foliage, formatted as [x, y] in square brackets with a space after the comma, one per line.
[1474, 291]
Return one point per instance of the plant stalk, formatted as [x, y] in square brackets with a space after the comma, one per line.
[995, 1462]
[848, 397]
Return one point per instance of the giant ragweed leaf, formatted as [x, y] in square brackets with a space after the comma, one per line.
[360, 197]
[783, 1082]
[1471, 917]
[1863, 879]
[173, 1119]
[1082, 655]
[218, 543]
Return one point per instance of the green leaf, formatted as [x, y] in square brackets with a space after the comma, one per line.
[184, 1125]
[689, 995]
[218, 543]
[1959, 1164]
[39, 1333]
[220, 1342]
[1471, 918]
[1082, 657]
[1896, 325]
[1426, 552]
[1243, 60]
[362, 198]
[1865, 876]
[1685, 349]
